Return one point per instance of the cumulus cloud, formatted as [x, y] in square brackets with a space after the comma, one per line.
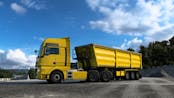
[18, 8]
[134, 43]
[16, 59]
[151, 19]
[35, 4]
[2, 51]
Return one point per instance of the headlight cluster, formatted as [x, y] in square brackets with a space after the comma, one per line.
[38, 70]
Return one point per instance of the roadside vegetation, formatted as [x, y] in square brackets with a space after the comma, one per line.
[9, 73]
[5, 73]
[158, 53]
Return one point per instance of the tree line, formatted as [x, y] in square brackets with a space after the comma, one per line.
[158, 53]
[8, 73]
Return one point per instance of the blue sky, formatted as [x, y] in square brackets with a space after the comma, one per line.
[58, 19]
[114, 23]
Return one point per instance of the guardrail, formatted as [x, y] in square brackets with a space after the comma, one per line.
[5, 79]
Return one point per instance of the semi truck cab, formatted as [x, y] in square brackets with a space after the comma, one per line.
[53, 62]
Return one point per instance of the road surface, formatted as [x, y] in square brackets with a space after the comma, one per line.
[144, 88]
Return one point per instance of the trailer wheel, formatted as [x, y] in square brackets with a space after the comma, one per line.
[133, 75]
[137, 75]
[56, 77]
[105, 76]
[111, 75]
[93, 76]
[127, 76]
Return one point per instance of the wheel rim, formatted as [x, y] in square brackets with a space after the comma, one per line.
[57, 77]
[105, 76]
[133, 77]
[92, 77]
[137, 75]
[127, 76]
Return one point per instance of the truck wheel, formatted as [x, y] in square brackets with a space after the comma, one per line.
[93, 76]
[105, 76]
[111, 75]
[49, 80]
[133, 75]
[140, 75]
[127, 76]
[56, 77]
[137, 75]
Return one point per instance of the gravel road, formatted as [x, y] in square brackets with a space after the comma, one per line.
[144, 88]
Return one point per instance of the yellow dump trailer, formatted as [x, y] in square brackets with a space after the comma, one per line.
[96, 63]
[118, 62]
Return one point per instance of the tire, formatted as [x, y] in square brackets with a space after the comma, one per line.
[56, 77]
[117, 78]
[127, 76]
[105, 76]
[137, 75]
[93, 76]
[132, 75]
[49, 80]
[111, 75]
[140, 75]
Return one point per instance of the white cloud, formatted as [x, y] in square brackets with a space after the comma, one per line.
[38, 38]
[18, 8]
[152, 19]
[16, 56]
[134, 43]
[35, 4]
[2, 51]
[16, 59]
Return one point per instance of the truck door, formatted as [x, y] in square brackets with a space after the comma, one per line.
[55, 55]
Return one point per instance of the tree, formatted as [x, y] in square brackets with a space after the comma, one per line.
[158, 53]
[5, 73]
[32, 73]
[146, 60]
[171, 55]
[130, 49]
[171, 41]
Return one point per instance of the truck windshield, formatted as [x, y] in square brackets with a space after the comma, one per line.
[40, 50]
[50, 50]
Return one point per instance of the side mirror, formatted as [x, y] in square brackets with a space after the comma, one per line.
[35, 51]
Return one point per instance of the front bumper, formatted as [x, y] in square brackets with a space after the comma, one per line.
[41, 75]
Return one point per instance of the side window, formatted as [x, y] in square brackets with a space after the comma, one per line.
[50, 50]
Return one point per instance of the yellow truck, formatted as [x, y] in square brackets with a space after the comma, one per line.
[95, 62]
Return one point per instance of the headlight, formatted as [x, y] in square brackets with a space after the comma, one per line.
[38, 70]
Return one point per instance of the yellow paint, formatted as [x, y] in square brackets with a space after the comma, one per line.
[122, 73]
[79, 75]
[118, 73]
[136, 60]
[45, 63]
[100, 56]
